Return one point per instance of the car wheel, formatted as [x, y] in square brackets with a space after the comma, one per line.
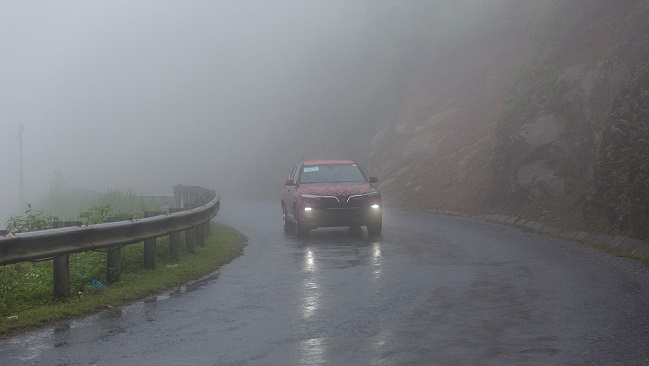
[375, 229]
[301, 231]
[356, 230]
[288, 226]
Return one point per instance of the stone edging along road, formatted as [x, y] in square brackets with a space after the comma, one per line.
[631, 245]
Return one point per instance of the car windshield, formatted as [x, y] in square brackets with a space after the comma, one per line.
[329, 173]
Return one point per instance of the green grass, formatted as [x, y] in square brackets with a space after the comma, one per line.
[222, 246]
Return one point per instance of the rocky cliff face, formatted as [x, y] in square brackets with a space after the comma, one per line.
[518, 128]
[549, 136]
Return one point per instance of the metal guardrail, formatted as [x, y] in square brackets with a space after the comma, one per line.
[57, 244]
[39, 245]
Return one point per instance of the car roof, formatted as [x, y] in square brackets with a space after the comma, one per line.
[326, 162]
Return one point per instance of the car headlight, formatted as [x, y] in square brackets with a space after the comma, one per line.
[311, 196]
[373, 199]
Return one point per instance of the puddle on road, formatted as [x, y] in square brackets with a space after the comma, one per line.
[193, 286]
[337, 249]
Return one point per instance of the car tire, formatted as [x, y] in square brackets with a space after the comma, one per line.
[355, 230]
[375, 229]
[301, 231]
[288, 226]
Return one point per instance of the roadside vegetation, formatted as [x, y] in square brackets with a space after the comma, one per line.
[623, 164]
[26, 288]
[599, 93]
[67, 204]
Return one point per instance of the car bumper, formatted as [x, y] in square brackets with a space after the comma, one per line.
[333, 217]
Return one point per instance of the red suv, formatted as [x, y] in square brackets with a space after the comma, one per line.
[328, 193]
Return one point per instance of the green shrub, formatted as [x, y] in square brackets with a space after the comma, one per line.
[96, 215]
[23, 285]
[32, 221]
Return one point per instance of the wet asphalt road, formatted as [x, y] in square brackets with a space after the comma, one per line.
[433, 290]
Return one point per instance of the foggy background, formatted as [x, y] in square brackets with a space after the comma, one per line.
[144, 95]
[227, 95]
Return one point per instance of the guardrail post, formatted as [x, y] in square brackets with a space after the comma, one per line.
[190, 240]
[174, 246]
[149, 246]
[200, 238]
[114, 265]
[202, 230]
[113, 260]
[206, 229]
[174, 240]
[61, 269]
[190, 234]
[61, 276]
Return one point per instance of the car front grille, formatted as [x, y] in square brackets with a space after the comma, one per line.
[334, 203]
[329, 203]
[356, 202]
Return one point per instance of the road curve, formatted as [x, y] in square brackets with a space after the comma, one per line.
[432, 290]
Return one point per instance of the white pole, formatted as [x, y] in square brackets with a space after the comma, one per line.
[21, 181]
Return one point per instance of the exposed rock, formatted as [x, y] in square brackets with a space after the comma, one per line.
[574, 73]
[544, 130]
[539, 180]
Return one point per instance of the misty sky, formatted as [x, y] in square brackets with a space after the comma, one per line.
[143, 95]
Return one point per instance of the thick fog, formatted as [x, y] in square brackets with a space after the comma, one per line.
[143, 95]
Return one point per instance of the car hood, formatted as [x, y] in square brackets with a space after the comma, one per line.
[342, 189]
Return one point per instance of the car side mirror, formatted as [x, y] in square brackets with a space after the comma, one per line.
[289, 182]
[374, 179]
